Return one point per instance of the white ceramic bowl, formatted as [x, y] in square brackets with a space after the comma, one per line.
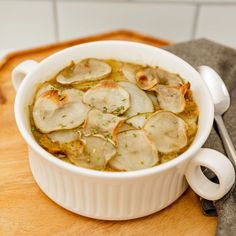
[125, 195]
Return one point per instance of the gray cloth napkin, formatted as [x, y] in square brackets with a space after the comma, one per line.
[223, 60]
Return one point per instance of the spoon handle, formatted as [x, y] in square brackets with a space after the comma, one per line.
[229, 147]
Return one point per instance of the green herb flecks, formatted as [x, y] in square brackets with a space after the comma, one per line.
[119, 110]
[93, 131]
[108, 136]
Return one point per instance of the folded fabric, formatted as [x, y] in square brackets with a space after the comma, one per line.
[223, 60]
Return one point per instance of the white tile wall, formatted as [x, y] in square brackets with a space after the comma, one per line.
[27, 23]
[169, 21]
[180, 1]
[218, 23]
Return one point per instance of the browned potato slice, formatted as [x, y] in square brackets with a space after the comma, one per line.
[147, 78]
[100, 123]
[48, 144]
[140, 102]
[108, 97]
[168, 131]
[135, 151]
[56, 110]
[97, 151]
[171, 98]
[85, 71]
[44, 88]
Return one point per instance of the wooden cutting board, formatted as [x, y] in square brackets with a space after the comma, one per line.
[25, 210]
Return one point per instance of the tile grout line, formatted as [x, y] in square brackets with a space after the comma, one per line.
[195, 22]
[55, 20]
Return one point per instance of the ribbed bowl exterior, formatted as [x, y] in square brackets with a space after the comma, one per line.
[108, 199]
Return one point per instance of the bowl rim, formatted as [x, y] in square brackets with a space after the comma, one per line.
[105, 174]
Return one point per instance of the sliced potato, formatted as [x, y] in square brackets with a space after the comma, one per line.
[56, 110]
[85, 71]
[146, 78]
[153, 97]
[108, 97]
[171, 98]
[64, 136]
[44, 88]
[168, 131]
[125, 127]
[140, 102]
[129, 71]
[138, 121]
[114, 116]
[135, 151]
[96, 153]
[167, 78]
[103, 124]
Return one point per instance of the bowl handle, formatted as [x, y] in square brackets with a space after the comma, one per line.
[216, 162]
[21, 70]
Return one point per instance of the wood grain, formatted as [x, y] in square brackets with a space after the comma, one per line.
[25, 210]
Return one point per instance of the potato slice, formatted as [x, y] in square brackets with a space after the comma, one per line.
[85, 71]
[153, 97]
[168, 131]
[56, 141]
[64, 136]
[171, 98]
[129, 72]
[135, 151]
[100, 123]
[138, 121]
[140, 102]
[56, 110]
[125, 127]
[146, 78]
[44, 88]
[167, 78]
[108, 97]
[96, 153]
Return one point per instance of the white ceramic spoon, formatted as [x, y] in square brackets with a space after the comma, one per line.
[221, 100]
